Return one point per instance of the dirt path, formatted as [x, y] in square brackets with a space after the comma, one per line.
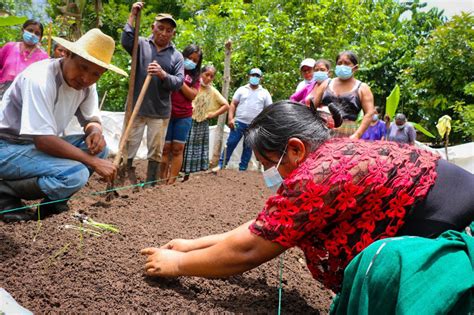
[62, 271]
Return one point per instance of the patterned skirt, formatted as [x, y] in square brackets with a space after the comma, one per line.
[196, 152]
[347, 129]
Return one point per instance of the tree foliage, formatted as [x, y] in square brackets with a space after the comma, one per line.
[276, 35]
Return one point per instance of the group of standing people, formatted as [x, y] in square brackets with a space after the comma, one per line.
[350, 96]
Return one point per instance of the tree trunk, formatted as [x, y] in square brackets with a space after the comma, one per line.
[219, 135]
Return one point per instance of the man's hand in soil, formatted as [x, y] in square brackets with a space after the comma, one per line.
[161, 262]
[105, 168]
[180, 245]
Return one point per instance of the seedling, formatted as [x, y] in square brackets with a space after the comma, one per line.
[101, 226]
[38, 225]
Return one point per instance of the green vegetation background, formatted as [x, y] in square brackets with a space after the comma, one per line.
[429, 56]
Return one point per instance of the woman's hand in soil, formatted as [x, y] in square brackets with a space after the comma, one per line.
[161, 262]
[180, 245]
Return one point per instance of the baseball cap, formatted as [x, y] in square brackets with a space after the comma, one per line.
[166, 16]
[256, 71]
[308, 62]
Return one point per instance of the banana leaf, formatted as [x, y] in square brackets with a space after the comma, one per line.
[423, 130]
[392, 102]
[12, 20]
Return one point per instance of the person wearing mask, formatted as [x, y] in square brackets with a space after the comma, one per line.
[401, 131]
[349, 94]
[307, 71]
[208, 104]
[377, 128]
[334, 198]
[321, 74]
[248, 101]
[181, 115]
[16, 56]
[36, 161]
[157, 56]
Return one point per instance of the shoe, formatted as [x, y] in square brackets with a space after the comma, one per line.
[151, 172]
[9, 203]
[11, 193]
[48, 207]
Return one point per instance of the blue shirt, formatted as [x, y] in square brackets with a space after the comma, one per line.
[375, 132]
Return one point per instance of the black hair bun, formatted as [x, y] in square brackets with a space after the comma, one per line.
[336, 113]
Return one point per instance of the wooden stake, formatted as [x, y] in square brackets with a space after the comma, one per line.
[50, 30]
[219, 136]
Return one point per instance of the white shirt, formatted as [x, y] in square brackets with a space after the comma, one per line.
[250, 102]
[40, 102]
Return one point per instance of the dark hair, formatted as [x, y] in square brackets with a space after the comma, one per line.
[277, 123]
[33, 22]
[207, 68]
[377, 109]
[188, 51]
[352, 56]
[325, 62]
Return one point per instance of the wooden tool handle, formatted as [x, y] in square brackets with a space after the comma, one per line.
[124, 138]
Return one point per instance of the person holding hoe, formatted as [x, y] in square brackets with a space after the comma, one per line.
[35, 160]
[157, 56]
[335, 197]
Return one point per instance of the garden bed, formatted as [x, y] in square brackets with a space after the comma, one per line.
[52, 268]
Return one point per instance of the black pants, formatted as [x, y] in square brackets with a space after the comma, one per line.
[449, 205]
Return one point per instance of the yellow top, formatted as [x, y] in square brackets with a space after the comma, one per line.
[207, 101]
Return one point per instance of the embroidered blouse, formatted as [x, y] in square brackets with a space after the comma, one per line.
[344, 196]
[13, 60]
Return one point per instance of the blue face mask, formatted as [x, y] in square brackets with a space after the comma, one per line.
[272, 177]
[30, 38]
[320, 76]
[189, 64]
[401, 126]
[375, 117]
[343, 72]
[254, 80]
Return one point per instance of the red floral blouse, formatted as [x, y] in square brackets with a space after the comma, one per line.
[344, 196]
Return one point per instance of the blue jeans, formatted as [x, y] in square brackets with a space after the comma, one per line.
[234, 137]
[58, 178]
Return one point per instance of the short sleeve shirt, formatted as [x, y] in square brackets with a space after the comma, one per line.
[40, 102]
[344, 196]
[181, 106]
[251, 102]
[207, 101]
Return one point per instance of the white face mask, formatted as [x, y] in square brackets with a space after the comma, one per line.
[272, 177]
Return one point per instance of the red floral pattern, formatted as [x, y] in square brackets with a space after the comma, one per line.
[345, 196]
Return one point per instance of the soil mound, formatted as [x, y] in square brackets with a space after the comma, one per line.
[48, 267]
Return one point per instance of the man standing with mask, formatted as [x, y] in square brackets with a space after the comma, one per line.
[248, 101]
[157, 56]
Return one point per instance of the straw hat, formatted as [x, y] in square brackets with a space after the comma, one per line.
[94, 46]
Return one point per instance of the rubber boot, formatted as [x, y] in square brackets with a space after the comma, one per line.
[151, 172]
[11, 193]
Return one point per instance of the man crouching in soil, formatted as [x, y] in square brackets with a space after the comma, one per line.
[35, 161]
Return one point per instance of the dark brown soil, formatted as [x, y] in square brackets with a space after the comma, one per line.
[56, 269]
